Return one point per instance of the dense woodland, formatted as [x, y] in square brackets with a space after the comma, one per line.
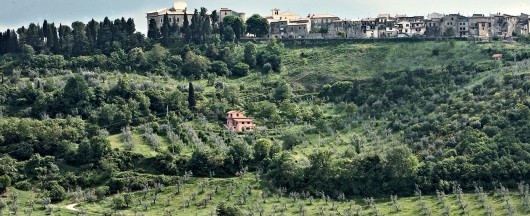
[101, 109]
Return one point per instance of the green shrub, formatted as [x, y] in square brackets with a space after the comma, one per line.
[23, 185]
[241, 69]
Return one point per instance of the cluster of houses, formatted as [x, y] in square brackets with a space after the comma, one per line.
[290, 25]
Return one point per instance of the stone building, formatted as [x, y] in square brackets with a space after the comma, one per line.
[224, 12]
[287, 25]
[449, 25]
[175, 14]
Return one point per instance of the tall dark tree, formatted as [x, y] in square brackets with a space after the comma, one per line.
[174, 30]
[92, 28]
[191, 97]
[45, 32]
[33, 37]
[65, 40]
[119, 31]
[206, 26]
[54, 46]
[21, 32]
[81, 44]
[132, 41]
[257, 25]
[237, 25]
[164, 30]
[104, 37]
[215, 22]
[153, 32]
[195, 27]
[186, 28]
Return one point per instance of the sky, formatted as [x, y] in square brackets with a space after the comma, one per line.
[15, 13]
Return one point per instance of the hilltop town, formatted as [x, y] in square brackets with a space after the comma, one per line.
[289, 25]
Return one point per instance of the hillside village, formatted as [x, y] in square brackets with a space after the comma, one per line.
[289, 25]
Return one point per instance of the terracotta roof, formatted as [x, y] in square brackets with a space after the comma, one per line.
[497, 56]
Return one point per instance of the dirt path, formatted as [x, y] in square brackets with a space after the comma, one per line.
[72, 207]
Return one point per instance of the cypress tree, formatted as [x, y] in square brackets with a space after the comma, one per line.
[173, 29]
[153, 32]
[206, 27]
[2, 43]
[55, 41]
[33, 37]
[164, 30]
[105, 35]
[191, 97]
[45, 30]
[80, 40]
[65, 40]
[21, 32]
[131, 39]
[196, 27]
[92, 33]
[215, 22]
[186, 28]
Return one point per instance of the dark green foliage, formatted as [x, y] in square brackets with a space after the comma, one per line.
[191, 97]
[55, 191]
[195, 65]
[224, 210]
[250, 54]
[152, 30]
[262, 149]
[220, 68]
[282, 92]
[199, 163]
[234, 28]
[93, 151]
[165, 31]
[240, 69]
[5, 181]
[257, 25]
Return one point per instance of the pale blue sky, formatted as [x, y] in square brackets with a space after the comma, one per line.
[14, 13]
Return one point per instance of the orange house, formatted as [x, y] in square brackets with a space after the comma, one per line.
[238, 122]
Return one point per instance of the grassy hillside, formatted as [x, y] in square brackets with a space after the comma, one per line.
[339, 123]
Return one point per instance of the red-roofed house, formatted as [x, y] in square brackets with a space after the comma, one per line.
[238, 122]
[497, 56]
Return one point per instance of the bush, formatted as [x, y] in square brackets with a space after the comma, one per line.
[241, 69]
[224, 210]
[267, 67]
[23, 185]
[220, 68]
[55, 191]
[102, 191]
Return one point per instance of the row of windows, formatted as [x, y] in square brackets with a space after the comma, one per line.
[170, 20]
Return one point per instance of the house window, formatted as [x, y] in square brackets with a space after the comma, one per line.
[178, 19]
[237, 115]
